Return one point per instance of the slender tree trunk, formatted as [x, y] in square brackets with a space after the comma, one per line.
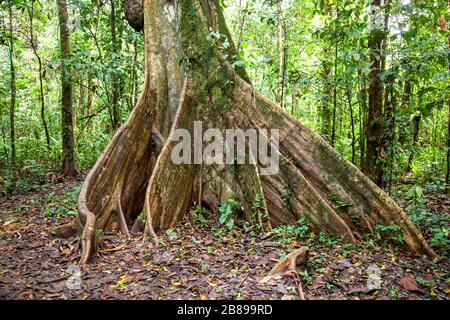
[374, 153]
[281, 51]
[405, 110]
[12, 104]
[333, 124]
[90, 98]
[389, 132]
[447, 174]
[42, 98]
[415, 141]
[68, 155]
[115, 83]
[242, 14]
[326, 103]
[4, 138]
[362, 119]
[82, 105]
[352, 123]
[34, 44]
[327, 86]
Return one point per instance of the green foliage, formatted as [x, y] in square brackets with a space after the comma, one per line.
[288, 233]
[94, 63]
[58, 206]
[437, 223]
[285, 196]
[198, 217]
[338, 202]
[171, 234]
[388, 234]
[226, 211]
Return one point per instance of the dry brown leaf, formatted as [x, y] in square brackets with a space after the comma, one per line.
[409, 283]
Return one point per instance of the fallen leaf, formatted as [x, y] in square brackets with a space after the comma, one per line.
[318, 283]
[410, 284]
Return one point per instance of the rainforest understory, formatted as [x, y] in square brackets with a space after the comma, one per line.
[199, 259]
[135, 180]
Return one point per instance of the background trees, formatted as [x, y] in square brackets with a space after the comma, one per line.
[324, 71]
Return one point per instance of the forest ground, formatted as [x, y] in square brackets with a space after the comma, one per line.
[198, 259]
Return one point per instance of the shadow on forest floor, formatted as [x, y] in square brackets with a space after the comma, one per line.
[195, 260]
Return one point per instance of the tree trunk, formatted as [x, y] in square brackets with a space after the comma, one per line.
[135, 174]
[33, 41]
[406, 96]
[90, 100]
[115, 83]
[12, 104]
[327, 87]
[362, 119]
[415, 141]
[390, 106]
[447, 174]
[374, 152]
[352, 123]
[68, 156]
[281, 51]
[333, 122]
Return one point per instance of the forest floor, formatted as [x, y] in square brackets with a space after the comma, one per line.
[198, 259]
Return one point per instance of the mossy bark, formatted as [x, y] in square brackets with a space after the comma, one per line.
[136, 175]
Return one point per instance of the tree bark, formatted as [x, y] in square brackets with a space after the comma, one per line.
[352, 123]
[12, 103]
[327, 87]
[374, 151]
[115, 83]
[447, 174]
[34, 45]
[362, 119]
[415, 141]
[135, 174]
[68, 156]
[281, 51]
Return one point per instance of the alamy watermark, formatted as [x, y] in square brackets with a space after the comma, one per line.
[373, 277]
[74, 281]
[227, 147]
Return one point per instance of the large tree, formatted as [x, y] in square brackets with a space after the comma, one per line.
[135, 174]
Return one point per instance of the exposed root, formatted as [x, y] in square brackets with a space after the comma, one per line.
[288, 264]
[170, 186]
[118, 248]
[118, 204]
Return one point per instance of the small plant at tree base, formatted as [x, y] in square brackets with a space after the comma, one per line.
[329, 239]
[338, 202]
[99, 234]
[226, 212]
[171, 234]
[285, 196]
[388, 234]
[306, 277]
[198, 218]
